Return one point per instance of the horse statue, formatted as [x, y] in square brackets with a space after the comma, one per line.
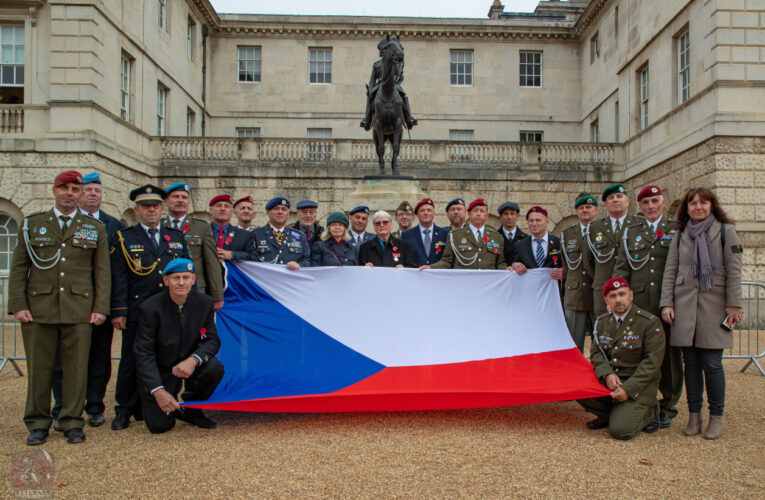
[388, 104]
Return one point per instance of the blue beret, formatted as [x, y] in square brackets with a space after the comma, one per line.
[178, 186]
[360, 208]
[277, 201]
[509, 204]
[179, 266]
[307, 204]
[455, 201]
[91, 178]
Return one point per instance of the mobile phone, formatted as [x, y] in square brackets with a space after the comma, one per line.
[728, 323]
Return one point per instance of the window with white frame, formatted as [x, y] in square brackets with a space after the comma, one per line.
[191, 30]
[616, 121]
[644, 96]
[319, 65]
[9, 231]
[594, 131]
[249, 64]
[531, 136]
[126, 66]
[683, 68]
[248, 132]
[319, 150]
[530, 69]
[594, 47]
[616, 22]
[12, 56]
[461, 152]
[161, 109]
[461, 67]
[162, 14]
[190, 119]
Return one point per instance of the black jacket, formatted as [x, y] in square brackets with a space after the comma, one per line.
[166, 336]
[525, 254]
[240, 242]
[396, 252]
[327, 253]
[316, 231]
[510, 245]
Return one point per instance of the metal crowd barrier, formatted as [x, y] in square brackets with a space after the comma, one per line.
[747, 344]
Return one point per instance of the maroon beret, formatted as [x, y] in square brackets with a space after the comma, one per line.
[649, 191]
[247, 198]
[536, 209]
[424, 201]
[614, 284]
[220, 197]
[66, 177]
[477, 203]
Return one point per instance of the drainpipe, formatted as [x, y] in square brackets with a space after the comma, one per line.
[205, 31]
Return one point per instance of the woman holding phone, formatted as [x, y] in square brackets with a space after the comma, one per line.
[701, 300]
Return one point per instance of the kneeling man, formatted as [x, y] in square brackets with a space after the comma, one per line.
[627, 351]
[176, 342]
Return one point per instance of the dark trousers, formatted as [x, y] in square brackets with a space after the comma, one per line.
[99, 370]
[198, 387]
[701, 364]
[127, 389]
[671, 383]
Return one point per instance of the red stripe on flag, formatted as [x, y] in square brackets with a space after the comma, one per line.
[518, 380]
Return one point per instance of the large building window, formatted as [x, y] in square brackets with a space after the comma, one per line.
[683, 68]
[594, 131]
[461, 67]
[319, 151]
[461, 153]
[248, 132]
[191, 117]
[249, 64]
[530, 69]
[162, 14]
[126, 66]
[9, 231]
[12, 64]
[161, 109]
[644, 96]
[594, 47]
[191, 30]
[531, 136]
[320, 65]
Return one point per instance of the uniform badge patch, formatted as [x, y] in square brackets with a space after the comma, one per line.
[43, 230]
[734, 248]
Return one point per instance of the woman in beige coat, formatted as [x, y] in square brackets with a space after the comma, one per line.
[701, 286]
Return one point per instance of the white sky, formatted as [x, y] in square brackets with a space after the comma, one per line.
[407, 8]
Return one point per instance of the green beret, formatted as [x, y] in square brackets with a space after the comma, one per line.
[585, 200]
[337, 217]
[404, 207]
[616, 188]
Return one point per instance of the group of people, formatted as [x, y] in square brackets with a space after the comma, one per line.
[78, 273]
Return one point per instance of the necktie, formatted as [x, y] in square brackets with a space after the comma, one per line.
[176, 223]
[618, 226]
[653, 230]
[279, 236]
[427, 241]
[540, 253]
[478, 236]
[308, 233]
[618, 323]
[64, 222]
[220, 237]
[152, 237]
[359, 240]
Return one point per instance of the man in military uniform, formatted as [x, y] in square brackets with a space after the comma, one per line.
[199, 241]
[577, 296]
[100, 358]
[626, 353]
[603, 239]
[359, 217]
[404, 218]
[475, 246]
[306, 213]
[508, 214]
[244, 209]
[456, 213]
[277, 244]
[232, 243]
[138, 256]
[641, 261]
[58, 288]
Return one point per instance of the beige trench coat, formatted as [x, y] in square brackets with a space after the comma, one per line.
[698, 314]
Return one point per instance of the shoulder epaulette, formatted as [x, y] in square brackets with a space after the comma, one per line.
[645, 314]
[572, 227]
[34, 214]
[604, 316]
[197, 219]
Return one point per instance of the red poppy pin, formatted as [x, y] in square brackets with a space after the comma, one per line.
[228, 239]
[395, 249]
[485, 239]
[186, 229]
[659, 233]
[203, 332]
[438, 249]
[167, 237]
[555, 259]
[496, 251]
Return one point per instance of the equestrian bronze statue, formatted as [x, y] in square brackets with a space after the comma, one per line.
[387, 105]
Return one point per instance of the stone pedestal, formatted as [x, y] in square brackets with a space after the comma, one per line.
[385, 193]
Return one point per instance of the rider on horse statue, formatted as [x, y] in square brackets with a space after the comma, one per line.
[374, 85]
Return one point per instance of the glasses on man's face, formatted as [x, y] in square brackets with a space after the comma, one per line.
[382, 222]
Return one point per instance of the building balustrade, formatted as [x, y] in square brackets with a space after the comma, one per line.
[11, 118]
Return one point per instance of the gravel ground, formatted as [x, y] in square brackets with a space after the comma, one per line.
[523, 452]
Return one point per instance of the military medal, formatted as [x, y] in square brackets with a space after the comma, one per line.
[599, 237]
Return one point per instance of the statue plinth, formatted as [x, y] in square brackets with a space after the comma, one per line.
[385, 192]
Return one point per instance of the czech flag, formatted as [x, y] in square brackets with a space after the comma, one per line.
[337, 339]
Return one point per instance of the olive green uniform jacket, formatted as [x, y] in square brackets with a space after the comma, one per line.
[578, 285]
[203, 251]
[462, 251]
[77, 285]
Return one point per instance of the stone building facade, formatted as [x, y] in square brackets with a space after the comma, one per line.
[533, 108]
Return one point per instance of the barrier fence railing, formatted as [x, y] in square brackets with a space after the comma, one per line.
[746, 339]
